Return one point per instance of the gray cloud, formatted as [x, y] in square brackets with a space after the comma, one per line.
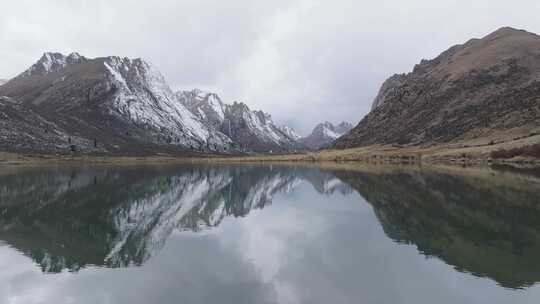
[303, 61]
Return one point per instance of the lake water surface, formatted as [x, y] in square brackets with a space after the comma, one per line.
[268, 234]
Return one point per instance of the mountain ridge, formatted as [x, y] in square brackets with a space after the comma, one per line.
[484, 90]
[253, 129]
[113, 105]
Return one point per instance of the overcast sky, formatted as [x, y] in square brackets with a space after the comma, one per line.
[302, 61]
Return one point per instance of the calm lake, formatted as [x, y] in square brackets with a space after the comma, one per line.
[268, 234]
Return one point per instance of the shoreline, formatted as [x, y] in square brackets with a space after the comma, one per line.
[523, 173]
[443, 155]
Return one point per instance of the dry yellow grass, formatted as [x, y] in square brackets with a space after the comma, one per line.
[469, 152]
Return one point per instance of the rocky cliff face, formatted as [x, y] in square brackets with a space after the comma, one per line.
[486, 88]
[325, 134]
[249, 130]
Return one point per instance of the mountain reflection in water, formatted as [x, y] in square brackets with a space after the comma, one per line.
[481, 223]
[70, 218]
[488, 226]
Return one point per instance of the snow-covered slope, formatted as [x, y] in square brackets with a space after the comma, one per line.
[325, 133]
[144, 97]
[205, 105]
[2, 81]
[250, 130]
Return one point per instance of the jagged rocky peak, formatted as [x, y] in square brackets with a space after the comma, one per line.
[344, 127]
[257, 130]
[198, 95]
[206, 105]
[239, 107]
[290, 132]
[332, 131]
[325, 133]
[157, 105]
[326, 128]
[264, 117]
[137, 75]
[477, 91]
[252, 130]
[52, 62]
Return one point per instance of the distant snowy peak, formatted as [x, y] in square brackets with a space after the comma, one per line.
[331, 131]
[326, 130]
[52, 62]
[325, 133]
[3, 81]
[291, 133]
[344, 127]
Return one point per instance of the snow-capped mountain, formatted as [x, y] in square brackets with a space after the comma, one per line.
[248, 129]
[325, 133]
[111, 104]
[67, 103]
[2, 81]
[143, 96]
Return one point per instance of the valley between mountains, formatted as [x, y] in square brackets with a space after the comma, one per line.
[476, 102]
